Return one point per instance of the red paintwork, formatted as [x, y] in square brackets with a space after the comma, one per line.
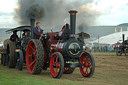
[63, 28]
[65, 69]
[54, 44]
[117, 44]
[84, 59]
[31, 49]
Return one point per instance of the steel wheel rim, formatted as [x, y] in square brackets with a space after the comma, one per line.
[31, 57]
[86, 69]
[55, 65]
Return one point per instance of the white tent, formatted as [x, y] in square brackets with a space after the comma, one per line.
[112, 38]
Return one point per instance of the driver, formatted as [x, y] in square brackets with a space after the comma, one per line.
[37, 31]
[14, 36]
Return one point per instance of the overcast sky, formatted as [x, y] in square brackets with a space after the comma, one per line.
[113, 12]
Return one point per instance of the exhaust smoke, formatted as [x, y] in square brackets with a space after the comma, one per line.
[53, 13]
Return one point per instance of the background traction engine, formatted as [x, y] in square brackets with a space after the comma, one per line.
[61, 51]
[123, 48]
[16, 50]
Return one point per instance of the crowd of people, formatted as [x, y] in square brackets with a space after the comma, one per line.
[109, 48]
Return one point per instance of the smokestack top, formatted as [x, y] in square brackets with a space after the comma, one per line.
[72, 11]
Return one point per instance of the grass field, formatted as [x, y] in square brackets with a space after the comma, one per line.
[110, 70]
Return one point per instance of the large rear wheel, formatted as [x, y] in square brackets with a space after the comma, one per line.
[56, 65]
[4, 59]
[88, 67]
[10, 53]
[1, 58]
[34, 56]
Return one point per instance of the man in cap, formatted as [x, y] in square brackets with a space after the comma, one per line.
[37, 31]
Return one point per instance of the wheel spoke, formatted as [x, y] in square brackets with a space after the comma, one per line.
[87, 59]
[56, 59]
[57, 64]
[56, 71]
[29, 55]
[89, 64]
[31, 48]
[83, 67]
[35, 52]
[32, 63]
[86, 70]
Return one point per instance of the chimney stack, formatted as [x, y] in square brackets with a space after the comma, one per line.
[32, 24]
[72, 21]
[123, 37]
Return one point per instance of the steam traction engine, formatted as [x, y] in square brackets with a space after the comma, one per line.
[61, 51]
[123, 48]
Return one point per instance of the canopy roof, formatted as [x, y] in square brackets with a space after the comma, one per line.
[21, 28]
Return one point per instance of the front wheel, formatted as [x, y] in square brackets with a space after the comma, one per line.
[10, 53]
[126, 53]
[1, 58]
[19, 56]
[4, 59]
[88, 67]
[56, 65]
[118, 52]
